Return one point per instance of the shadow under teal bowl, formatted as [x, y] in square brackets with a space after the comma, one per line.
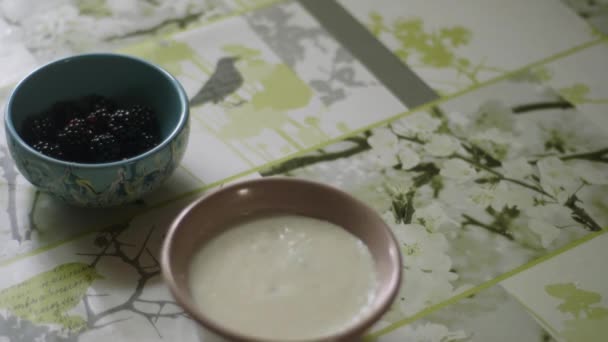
[125, 79]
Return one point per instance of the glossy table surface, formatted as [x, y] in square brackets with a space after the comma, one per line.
[478, 129]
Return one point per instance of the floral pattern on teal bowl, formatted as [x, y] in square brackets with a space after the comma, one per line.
[104, 186]
[107, 184]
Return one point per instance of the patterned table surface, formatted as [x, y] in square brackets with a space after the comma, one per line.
[478, 129]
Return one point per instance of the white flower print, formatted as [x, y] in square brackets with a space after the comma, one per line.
[426, 265]
[494, 114]
[483, 196]
[496, 143]
[441, 145]
[388, 151]
[557, 179]
[382, 138]
[422, 289]
[518, 168]
[475, 218]
[422, 249]
[512, 195]
[432, 216]
[570, 132]
[408, 157]
[420, 125]
[383, 158]
[458, 123]
[592, 173]
[545, 231]
[458, 170]
[384, 146]
[552, 213]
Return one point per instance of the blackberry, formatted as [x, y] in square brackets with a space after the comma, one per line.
[75, 132]
[93, 129]
[74, 138]
[98, 120]
[39, 128]
[105, 148]
[123, 127]
[48, 148]
[143, 116]
[61, 113]
[146, 141]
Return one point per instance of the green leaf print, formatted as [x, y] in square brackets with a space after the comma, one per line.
[457, 36]
[241, 51]
[46, 298]
[589, 320]
[93, 8]
[377, 24]
[542, 73]
[282, 91]
[577, 93]
[433, 48]
[426, 48]
[575, 300]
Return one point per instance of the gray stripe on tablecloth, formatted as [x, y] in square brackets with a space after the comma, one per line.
[388, 68]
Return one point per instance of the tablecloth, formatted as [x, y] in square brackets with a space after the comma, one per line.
[478, 129]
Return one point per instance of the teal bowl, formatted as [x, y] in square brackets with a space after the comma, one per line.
[123, 78]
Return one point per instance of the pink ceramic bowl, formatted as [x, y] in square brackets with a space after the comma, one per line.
[211, 214]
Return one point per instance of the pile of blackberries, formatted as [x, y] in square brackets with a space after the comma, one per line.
[92, 129]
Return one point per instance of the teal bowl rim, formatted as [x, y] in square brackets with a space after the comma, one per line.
[183, 120]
